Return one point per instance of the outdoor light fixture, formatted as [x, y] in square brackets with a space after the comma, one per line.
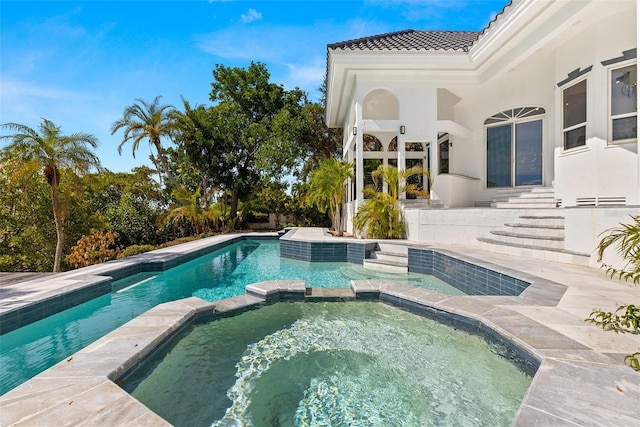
[402, 129]
[355, 130]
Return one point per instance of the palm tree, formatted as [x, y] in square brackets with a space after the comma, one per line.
[148, 120]
[381, 214]
[327, 188]
[186, 209]
[49, 150]
[626, 240]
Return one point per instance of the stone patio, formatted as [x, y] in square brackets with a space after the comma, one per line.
[581, 379]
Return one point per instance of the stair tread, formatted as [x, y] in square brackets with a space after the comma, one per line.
[397, 254]
[521, 225]
[525, 236]
[518, 245]
[384, 262]
[541, 217]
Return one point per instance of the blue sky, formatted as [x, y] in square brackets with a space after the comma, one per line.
[79, 64]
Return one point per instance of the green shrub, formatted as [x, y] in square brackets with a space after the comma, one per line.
[135, 250]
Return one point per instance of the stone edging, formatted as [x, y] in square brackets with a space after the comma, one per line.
[574, 385]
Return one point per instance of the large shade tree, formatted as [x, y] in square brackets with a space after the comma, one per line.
[48, 150]
[152, 121]
[251, 132]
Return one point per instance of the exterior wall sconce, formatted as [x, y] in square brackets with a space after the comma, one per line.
[402, 130]
[355, 130]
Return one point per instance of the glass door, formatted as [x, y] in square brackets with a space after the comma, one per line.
[514, 154]
[499, 156]
[528, 161]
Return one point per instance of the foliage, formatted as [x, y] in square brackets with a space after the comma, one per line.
[381, 214]
[93, 249]
[250, 133]
[46, 149]
[152, 121]
[319, 141]
[626, 318]
[270, 197]
[327, 188]
[135, 250]
[626, 240]
[304, 213]
[127, 203]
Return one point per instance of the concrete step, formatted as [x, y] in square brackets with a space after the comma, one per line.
[390, 266]
[548, 254]
[542, 220]
[535, 230]
[525, 204]
[422, 204]
[529, 240]
[392, 248]
[390, 256]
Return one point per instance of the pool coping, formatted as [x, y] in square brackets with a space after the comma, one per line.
[83, 389]
[574, 384]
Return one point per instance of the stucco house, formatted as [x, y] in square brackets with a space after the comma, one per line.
[534, 117]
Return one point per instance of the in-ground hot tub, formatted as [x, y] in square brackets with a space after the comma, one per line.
[330, 363]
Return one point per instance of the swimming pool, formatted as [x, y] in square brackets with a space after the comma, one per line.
[349, 363]
[29, 350]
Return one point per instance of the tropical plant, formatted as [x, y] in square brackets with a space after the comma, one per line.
[187, 209]
[48, 150]
[327, 188]
[94, 248]
[151, 121]
[135, 250]
[626, 240]
[626, 318]
[381, 215]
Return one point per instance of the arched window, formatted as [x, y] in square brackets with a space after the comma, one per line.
[371, 143]
[393, 144]
[514, 147]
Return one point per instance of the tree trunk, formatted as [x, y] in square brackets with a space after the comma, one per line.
[233, 214]
[337, 223]
[57, 217]
[165, 164]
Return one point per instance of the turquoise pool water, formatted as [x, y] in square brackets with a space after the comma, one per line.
[330, 364]
[31, 349]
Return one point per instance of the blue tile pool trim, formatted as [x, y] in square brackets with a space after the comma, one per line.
[325, 251]
[469, 277]
[93, 286]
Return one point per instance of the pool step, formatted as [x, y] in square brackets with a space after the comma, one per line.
[388, 257]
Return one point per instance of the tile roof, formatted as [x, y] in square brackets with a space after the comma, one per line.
[460, 41]
[413, 40]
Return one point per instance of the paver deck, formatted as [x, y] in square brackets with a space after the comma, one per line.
[581, 379]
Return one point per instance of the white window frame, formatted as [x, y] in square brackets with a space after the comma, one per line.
[584, 124]
[610, 117]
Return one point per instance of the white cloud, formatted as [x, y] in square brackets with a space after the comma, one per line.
[250, 16]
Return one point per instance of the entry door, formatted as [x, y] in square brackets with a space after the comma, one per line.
[514, 154]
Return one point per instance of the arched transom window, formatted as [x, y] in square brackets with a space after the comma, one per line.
[514, 113]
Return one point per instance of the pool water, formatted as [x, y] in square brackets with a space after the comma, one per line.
[330, 364]
[29, 350]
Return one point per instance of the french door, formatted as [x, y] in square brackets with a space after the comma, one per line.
[514, 154]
